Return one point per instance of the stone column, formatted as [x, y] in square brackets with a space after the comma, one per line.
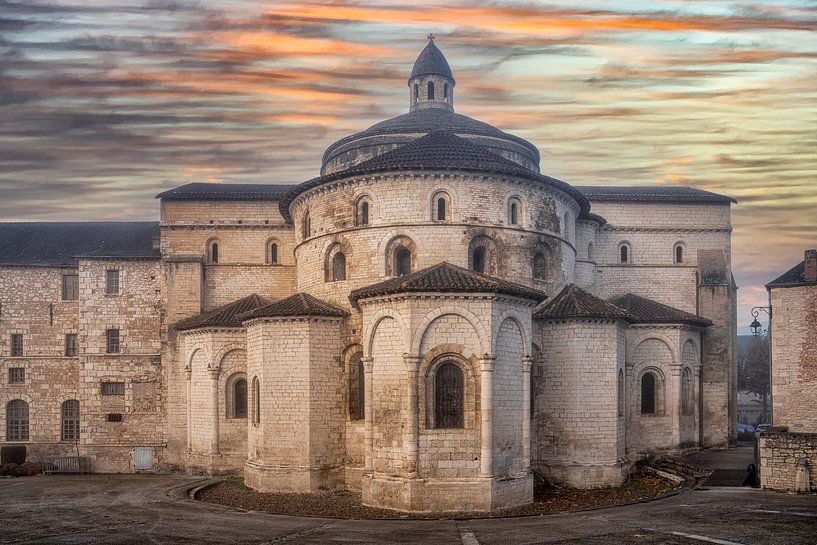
[527, 362]
[674, 404]
[215, 414]
[413, 428]
[486, 410]
[188, 371]
[368, 368]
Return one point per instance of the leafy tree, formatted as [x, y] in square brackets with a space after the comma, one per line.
[754, 371]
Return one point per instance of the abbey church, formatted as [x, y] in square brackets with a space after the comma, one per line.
[430, 322]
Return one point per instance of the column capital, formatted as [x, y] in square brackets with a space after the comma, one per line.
[412, 362]
[188, 371]
[368, 364]
[214, 372]
[487, 362]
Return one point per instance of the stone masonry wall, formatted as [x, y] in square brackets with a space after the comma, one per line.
[794, 358]
[779, 454]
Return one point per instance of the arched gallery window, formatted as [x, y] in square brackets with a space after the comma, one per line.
[686, 391]
[69, 420]
[430, 90]
[678, 253]
[357, 388]
[625, 253]
[648, 396]
[402, 261]
[338, 267]
[213, 251]
[17, 420]
[256, 401]
[449, 396]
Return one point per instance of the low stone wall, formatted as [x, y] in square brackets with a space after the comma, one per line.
[779, 455]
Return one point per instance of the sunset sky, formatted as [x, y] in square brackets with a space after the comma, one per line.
[104, 103]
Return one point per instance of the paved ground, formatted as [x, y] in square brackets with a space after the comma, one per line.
[142, 509]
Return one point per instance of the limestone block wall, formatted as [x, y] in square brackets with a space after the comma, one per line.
[780, 453]
[578, 428]
[586, 254]
[794, 357]
[226, 212]
[225, 283]
[295, 433]
[394, 219]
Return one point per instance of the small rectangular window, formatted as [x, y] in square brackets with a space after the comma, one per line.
[17, 375]
[71, 344]
[17, 344]
[112, 282]
[70, 287]
[112, 341]
[113, 388]
[114, 417]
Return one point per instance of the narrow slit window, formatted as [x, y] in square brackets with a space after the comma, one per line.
[430, 90]
[648, 394]
[441, 209]
[240, 398]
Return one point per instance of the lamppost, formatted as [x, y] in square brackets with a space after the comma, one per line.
[755, 326]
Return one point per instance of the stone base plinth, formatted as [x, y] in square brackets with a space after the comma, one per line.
[279, 478]
[423, 495]
[585, 475]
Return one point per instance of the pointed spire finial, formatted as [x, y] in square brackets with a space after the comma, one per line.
[431, 36]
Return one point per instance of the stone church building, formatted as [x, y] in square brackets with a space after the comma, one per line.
[429, 321]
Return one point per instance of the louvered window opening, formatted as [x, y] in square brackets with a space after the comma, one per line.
[448, 397]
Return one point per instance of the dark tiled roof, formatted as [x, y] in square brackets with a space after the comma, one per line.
[662, 193]
[431, 61]
[574, 302]
[424, 120]
[57, 244]
[445, 278]
[226, 192]
[796, 276]
[436, 151]
[224, 316]
[651, 312]
[300, 304]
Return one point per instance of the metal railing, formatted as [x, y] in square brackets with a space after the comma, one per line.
[66, 464]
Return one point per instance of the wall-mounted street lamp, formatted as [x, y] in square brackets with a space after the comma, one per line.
[755, 326]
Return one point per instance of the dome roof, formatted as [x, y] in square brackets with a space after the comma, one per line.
[400, 130]
[431, 61]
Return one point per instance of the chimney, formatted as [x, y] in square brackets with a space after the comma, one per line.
[810, 269]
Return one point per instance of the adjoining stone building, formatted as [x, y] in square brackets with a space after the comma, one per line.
[788, 452]
[428, 321]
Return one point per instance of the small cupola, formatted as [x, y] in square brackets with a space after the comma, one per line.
[431, 84]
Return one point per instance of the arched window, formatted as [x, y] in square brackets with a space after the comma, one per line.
[679, 253]
[686, 391]
[362, 209]
[17, 420]
[445, 92]
[478, 260]
[256, 401]
[648, 393]
[620, 392]
[240, 398]
[416, 92]
[514, 211]
[441, 209]
[441, 206]
[590, 250]
[69, 420]
[338, 267]
[625, 253]
[448, 396]
[540, 266]
[402, 261]
[430, 90]
[514, 219]
[306, 226]
[272, 253]
[213, 251]
[357, 388]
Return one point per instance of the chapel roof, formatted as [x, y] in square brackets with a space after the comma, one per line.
[56, 244]
[431, 61]
[226, 192]
[796, 276]
[445, 278]
[299, 304]
[652, 312]
[224, 316]
[439, 150]
[644, 193]
[574, 302]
